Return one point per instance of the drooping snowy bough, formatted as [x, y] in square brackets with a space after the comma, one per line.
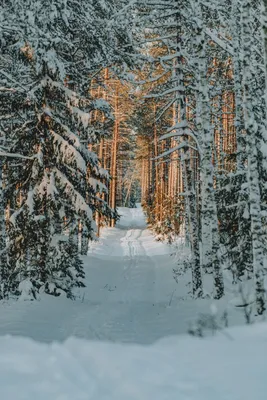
[49, 49]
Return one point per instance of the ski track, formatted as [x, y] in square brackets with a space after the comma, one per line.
[130, 294]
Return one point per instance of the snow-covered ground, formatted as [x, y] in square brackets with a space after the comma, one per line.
[130, 294]
[225, 367]
[131, 297]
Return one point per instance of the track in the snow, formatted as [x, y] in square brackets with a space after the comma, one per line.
[129, 285]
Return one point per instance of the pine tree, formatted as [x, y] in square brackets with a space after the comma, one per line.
[60, 182]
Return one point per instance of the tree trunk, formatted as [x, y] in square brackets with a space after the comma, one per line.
[252, 135]
[210, 230]
[3, 256]
[114, 155]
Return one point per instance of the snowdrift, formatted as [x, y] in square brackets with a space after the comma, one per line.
[230, 366]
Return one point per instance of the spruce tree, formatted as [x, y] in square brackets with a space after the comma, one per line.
[59, 183]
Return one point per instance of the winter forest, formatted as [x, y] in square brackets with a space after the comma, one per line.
[133, 153]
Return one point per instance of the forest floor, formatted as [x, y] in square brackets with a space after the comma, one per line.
[130, 294]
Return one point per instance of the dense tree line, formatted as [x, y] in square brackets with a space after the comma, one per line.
[208, 86]
[104, 101]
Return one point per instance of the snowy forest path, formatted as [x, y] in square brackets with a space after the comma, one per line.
[130, 293]
[128, 286]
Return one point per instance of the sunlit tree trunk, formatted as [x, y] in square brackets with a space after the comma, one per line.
[156, 185]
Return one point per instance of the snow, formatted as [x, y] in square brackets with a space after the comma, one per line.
[118, 339]
[68, 153]
[80, 204]
[83, 117]
[97, 185]
[130, 295]
[224, 367]
[26, 289]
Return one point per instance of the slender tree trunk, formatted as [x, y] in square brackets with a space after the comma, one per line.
[3, 256]
[156, 167]
[253, 178]
[114, 155]
[264, 27]
[210, 230]
[181, 115]
[192, 222]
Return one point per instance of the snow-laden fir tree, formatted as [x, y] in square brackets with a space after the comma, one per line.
[58, 44]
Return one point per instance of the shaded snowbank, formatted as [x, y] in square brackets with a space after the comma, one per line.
[181, 368]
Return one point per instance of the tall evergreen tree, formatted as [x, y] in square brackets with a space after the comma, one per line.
[58, 45]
